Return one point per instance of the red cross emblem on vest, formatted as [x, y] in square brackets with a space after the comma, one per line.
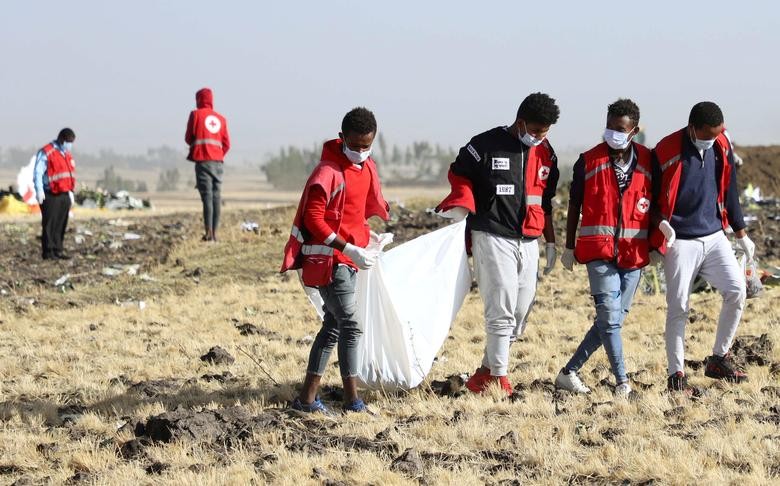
[213, 124]
[544, 173]
[643, 205]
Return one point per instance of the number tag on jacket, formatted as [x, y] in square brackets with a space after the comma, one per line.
[500, 163]
[505, 189]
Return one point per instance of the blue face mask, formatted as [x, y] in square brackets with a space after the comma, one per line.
[67, 146]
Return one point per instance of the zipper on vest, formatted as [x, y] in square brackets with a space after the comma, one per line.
[619, 217]
[523, 204]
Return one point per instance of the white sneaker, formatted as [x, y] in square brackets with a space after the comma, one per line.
[623, 390]
[570, 382]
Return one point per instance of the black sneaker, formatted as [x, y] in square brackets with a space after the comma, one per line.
[678, 382]
[61, 256]
[724, 368]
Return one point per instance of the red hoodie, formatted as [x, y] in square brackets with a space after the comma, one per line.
[305, 249]
[207, 133]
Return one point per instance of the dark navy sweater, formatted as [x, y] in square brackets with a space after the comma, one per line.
[696, 207]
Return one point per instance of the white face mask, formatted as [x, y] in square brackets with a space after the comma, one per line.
[357, 157]
[702, 144]
[529, 139]
[617, 140]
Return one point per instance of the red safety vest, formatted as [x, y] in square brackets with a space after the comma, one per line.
[668, 153]
[537, 171]
[207, 133]
[615, 227]
[60, 170]
[315, 258]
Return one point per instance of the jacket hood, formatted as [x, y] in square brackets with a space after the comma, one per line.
[333, 150]
[204, 98]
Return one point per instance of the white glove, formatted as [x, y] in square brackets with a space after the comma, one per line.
[551, 254]
[656, 258]
[668, 232]
[568, 260]
[746, 245]
[381, 240]
[363, 258]
[72, 198]
[40, 197]
[456, 214]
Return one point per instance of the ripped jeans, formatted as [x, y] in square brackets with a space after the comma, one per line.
[613, 291]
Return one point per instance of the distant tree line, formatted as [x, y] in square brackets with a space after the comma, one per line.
[420, 163]
[163, 156]
[113, 182]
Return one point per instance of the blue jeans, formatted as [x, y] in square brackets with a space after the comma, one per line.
[613, 290]
[339, 325]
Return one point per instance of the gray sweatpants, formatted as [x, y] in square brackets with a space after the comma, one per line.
[506, 270]
[208, 177]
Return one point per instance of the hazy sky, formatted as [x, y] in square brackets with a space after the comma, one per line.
[123, 75]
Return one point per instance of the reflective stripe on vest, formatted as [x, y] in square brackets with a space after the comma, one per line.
[207, 141]
[644, 172]
[633, 233]
[533, 200]
[603, 230]
[61, 175]
[337, 190]
[669, 162]
[597, 169]
[597, 230]
[317, 250]
[296, 233]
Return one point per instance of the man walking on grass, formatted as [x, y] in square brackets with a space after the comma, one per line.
[327, 243]
[504, 180]
[697, 198]
[612, 187]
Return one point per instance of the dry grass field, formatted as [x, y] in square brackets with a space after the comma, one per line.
[96, 389]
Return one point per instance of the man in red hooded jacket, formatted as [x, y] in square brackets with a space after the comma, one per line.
[207, 136]
[328, 244]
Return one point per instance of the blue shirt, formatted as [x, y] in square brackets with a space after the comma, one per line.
[40, 176]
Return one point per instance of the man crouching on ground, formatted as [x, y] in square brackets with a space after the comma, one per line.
[327, 242]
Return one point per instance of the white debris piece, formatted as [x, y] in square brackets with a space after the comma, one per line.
[250, 226]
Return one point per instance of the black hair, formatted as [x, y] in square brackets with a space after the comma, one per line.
[705, 113]
[538, 108]
[66, 135]
[359, 120]
[624, 107]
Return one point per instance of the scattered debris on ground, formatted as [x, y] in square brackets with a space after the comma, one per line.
[218, 356]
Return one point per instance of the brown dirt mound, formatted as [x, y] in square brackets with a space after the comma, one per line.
[761, 168]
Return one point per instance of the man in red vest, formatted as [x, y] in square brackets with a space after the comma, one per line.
[207, 136]
[328, 244]
[612, 187]
[697, 198]
[54, 177]
[504, 180]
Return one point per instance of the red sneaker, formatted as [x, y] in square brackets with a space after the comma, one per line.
[505, 384]
[479, 380]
